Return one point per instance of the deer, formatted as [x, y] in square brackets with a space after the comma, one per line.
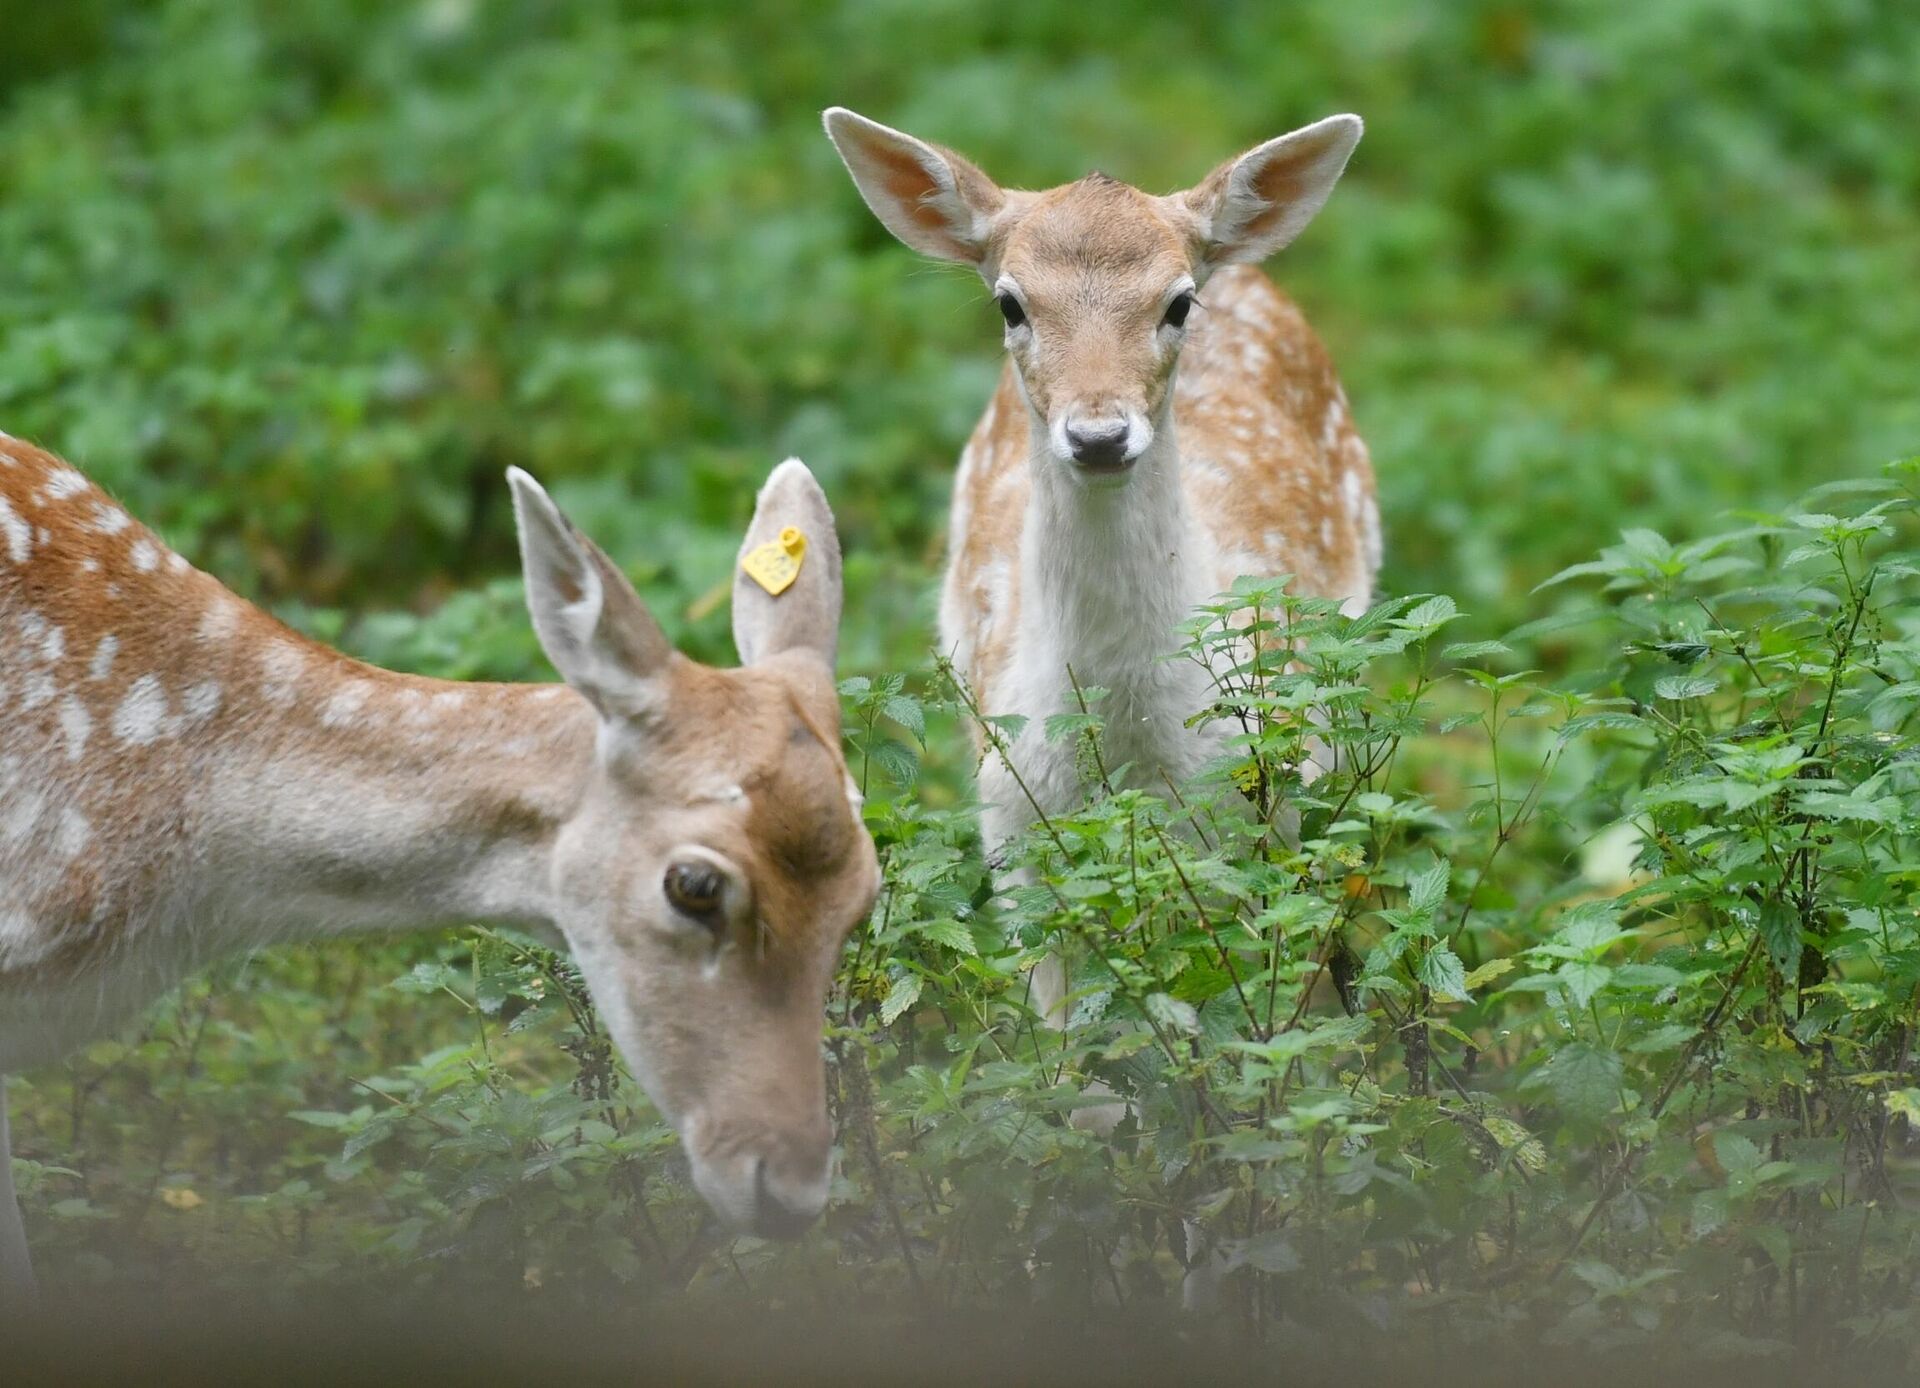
[1165, 422]
[182, 776]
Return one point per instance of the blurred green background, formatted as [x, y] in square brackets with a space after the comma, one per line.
[299, 280]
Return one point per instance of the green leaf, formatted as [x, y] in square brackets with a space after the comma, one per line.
[1173, 1014]
[322, 1118]
[952, 934]
[1583, 979]
[1580, 570]
[1427, 891]
[904, 994]
[1709, 1212]
[1061, 726]
[1428, 616]
[908, 713]
[1683, 686]
[1736, 1152]
[1442, 971]
[1475, 650]
[1780, 930]
[1008, 725]
[428, 978]
[1489, 971]
[897, 760]
[1585, 1079]
[1270, 1252]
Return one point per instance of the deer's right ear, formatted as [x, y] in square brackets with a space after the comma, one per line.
[929, 197]
[591, 623]
[805, 614]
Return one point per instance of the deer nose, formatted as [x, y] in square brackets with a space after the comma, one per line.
[1100, 445]
[783, 1207]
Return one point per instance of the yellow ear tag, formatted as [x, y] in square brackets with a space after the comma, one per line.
[776, 564]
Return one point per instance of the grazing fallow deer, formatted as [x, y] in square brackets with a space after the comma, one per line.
[182, 776]
[1166, 422]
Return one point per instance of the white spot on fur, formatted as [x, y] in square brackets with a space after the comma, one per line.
[16, 532]
[1351, 493]
[281, 664]
[177, 563]
[200, 702]
[1335, 421]
[64, 482]
[145, 555]
[102, 663]
[77, 724]
[110, 520]
[220, 618]
[414, 707]
[347, 701]
[21, 814]
[73, 835]
[39, 689]
[142, 712]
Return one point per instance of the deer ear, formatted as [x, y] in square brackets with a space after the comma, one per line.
[806, 614]
[1252, 206]
[591, 623]
[929, 197]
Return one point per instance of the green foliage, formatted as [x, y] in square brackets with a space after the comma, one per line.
[1365, 1042]
[1561, 984]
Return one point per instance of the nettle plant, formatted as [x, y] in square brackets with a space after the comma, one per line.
[1590, 998]
[1261, 962]
[1746, 1012]
[1382, 1029]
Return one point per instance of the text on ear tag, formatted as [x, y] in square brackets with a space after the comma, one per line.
[776, 564]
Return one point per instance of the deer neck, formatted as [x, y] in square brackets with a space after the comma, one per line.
[398, 802]
[1108, 572]
[344, 799]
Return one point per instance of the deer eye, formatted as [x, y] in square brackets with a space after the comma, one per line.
[1010, 310]
[696, 889]
[1178, 310]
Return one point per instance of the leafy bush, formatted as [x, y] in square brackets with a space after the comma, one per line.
[1605, 1101]
[1383, 1048]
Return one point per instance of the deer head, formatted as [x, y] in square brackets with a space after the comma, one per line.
[716, 859]
[1094, 280]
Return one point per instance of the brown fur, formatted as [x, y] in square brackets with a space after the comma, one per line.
[1266, 437]
[223, 781]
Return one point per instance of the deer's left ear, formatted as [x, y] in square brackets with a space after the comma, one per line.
[804, 614]
[1250, 207]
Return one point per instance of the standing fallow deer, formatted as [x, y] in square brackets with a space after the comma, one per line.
[1166, 422]
[181, 776]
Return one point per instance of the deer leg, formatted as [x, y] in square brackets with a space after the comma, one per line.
[1049, 981]
[16, 1269]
